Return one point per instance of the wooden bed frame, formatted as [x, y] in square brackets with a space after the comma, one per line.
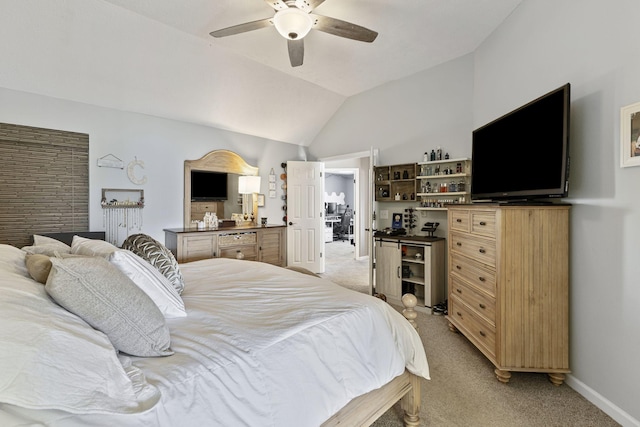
[365, 409]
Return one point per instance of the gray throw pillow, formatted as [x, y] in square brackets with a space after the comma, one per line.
[156, 254]
[105, 298]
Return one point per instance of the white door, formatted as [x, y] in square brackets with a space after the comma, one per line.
[373, 161]
[305, 215]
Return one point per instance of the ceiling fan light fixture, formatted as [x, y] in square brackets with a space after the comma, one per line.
[292, 23]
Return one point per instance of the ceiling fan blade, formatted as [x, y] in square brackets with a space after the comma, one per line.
[296, 52]
[277, 4]
[308, 5]
[341, 28]
[243, 28]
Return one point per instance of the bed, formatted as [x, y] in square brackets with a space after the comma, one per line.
[254, 345]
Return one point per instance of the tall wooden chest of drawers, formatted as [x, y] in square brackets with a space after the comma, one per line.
[509, 285]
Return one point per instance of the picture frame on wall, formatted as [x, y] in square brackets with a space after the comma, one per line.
[630, 135]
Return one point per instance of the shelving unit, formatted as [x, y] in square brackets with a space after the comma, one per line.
[395, 180]
[443, 182]
[399, 270]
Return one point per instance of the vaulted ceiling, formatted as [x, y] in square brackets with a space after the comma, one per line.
[157, 57]
[413, 35]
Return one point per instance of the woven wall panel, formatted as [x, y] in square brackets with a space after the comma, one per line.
[44, 182]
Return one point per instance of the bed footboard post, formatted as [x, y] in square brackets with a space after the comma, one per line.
[410, 301]
[411, 403]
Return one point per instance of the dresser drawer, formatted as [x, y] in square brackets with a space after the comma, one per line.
[249, 251]
[483, 223]
[459, 219]
[479, 248]
[473, 326]
[476, 273]
[483, 304]
[197, 247]
[237, 239]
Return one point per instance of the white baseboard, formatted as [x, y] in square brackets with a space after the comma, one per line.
[601, 402]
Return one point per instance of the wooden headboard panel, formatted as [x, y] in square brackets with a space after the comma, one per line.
[68, 237]
[45, 182]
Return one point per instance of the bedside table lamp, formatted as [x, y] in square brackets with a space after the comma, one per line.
[248, 186]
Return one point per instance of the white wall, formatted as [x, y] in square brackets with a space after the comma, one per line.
[163, 145]
[545, 43]
[403, 119]
[339, 183]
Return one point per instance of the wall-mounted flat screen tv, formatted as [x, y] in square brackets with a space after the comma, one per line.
[524, 155]
[208, 186]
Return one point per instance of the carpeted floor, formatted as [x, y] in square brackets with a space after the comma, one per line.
[463, 390]
[342, 268]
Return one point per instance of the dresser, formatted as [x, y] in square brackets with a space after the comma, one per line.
[509, 285]
[265, 244]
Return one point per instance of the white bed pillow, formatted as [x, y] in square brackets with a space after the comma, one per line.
[12, 260]
[39, 240]
[151, 281]
[91, 247]
[108, 300]
[52, 359]
[43, 245]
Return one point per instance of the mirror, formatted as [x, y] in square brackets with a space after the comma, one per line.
[216, 161]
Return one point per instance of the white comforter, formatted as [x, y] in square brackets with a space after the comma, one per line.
[262, 346]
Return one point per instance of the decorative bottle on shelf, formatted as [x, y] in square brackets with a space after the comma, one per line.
[433, 155]
[438, 153]
[207, 220]
[425, 158]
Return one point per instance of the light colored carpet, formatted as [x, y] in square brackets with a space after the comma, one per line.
[342, 268]
[463, 390]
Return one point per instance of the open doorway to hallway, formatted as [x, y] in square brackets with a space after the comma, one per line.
[340, 205]
[347, 261]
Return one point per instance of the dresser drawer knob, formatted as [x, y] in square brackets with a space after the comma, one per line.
[458, 244]
[483, 334]
[458, 267]
[482, 251]
[482, 306]
[483, 223]
[459, 314]
[482, 279]
[458, 290]
[458, 220]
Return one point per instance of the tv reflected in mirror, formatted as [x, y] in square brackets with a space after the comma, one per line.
[208, 186]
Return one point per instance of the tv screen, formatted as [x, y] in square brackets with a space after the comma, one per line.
[524, 155]
[208, 186]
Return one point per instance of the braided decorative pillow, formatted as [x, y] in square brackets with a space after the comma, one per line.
[156, 254]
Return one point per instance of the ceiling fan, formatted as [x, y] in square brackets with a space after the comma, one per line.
[293, 20]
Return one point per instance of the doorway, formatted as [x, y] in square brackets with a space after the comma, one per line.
[340, 202]
[352, 267]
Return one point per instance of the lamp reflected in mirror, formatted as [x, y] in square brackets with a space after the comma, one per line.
[248, 186]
